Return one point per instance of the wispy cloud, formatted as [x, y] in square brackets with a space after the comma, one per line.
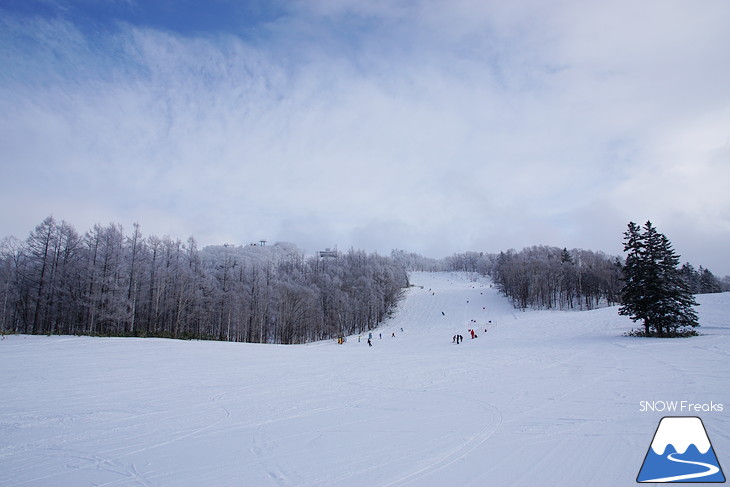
[427, 126]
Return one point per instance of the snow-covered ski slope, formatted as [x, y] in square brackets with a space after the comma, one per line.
[542, 398]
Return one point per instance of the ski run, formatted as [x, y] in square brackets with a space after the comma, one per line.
[542, 398]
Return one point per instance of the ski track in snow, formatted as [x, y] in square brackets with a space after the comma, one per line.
[541, 398]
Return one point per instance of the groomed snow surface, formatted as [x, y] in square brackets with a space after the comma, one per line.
[542, 398]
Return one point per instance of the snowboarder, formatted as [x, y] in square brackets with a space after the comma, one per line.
[370, 344]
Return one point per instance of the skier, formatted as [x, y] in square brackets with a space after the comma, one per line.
[370, 344]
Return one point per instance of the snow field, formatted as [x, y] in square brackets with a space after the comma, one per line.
[542, 398]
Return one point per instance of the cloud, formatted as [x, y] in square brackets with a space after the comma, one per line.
[432, 127]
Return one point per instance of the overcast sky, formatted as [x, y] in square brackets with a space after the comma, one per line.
[433, 126]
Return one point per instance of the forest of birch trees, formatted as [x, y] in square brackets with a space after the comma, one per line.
[106, 282]
[551, 278]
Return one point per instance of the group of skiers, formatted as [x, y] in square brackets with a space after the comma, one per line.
[458, 338]
[342, 340]
[370, 338]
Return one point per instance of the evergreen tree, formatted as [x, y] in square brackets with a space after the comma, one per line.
[633, 295]
[708, 282]
[691, 277]
[655, 290]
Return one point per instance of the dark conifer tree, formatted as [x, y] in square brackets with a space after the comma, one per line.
[708, 283]
[654, 288]
[633, 295]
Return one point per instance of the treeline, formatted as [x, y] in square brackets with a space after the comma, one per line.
[537, 277]
[463, 262]
[549, 277]
[107, 283]
[546, 277]
[702, 281]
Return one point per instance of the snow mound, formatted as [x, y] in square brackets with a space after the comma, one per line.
[541, 398]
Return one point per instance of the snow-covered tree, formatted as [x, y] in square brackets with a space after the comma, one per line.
[550, 277]
[107, 283]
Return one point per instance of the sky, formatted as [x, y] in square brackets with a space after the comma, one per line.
[434, 126]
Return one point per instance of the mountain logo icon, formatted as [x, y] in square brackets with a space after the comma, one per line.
[681, 452]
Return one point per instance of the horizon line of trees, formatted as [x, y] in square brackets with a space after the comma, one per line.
[107, 283]
[702, 281]
[545, 277]
[553, 278]
[104, 282]
[540, 277]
